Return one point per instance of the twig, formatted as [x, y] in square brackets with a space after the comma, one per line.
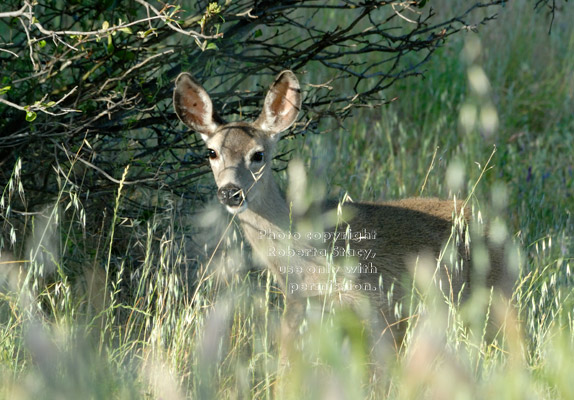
[191, 33]
[101, 171]
[129, 71]
[40, 107]
[14, 14]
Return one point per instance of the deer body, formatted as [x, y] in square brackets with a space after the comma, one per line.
[398, 232]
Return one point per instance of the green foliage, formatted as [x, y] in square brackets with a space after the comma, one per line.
[114, 290]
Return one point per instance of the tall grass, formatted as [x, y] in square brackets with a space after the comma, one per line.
[201, 324]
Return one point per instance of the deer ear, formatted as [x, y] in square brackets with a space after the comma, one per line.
[282, 104]
[193, 106]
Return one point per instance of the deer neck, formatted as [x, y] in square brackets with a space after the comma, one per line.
[269, 212]
[269, 227]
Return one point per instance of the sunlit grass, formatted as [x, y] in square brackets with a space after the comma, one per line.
[189, 325]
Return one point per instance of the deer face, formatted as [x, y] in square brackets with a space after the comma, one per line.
[240, 158]
[239, 153]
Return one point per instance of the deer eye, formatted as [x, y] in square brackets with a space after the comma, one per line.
[258, 156]
[212, 154]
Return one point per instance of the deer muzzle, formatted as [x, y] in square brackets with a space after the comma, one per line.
[231, 196]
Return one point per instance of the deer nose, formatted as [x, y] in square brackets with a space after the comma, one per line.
[230, 195]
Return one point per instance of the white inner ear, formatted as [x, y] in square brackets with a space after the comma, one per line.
[272, 118]
[281, 105]
[268, 121]
[206, 117]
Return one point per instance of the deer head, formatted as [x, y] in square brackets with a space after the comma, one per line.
[240, 153]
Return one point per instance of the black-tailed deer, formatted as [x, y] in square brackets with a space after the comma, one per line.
[361, 251]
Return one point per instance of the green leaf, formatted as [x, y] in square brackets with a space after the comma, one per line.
[257, 33]
[125, 55]
[30, 116]
[213, 8]
[212, 46]
[42, 43]
[5, 89]
[143, 35]
[110, 45]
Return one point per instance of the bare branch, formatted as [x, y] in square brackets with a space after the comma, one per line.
[114, 87]
[40, 106]
[14, 14]
[177, 28]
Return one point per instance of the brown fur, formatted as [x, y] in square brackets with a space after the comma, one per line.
[405, 229]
